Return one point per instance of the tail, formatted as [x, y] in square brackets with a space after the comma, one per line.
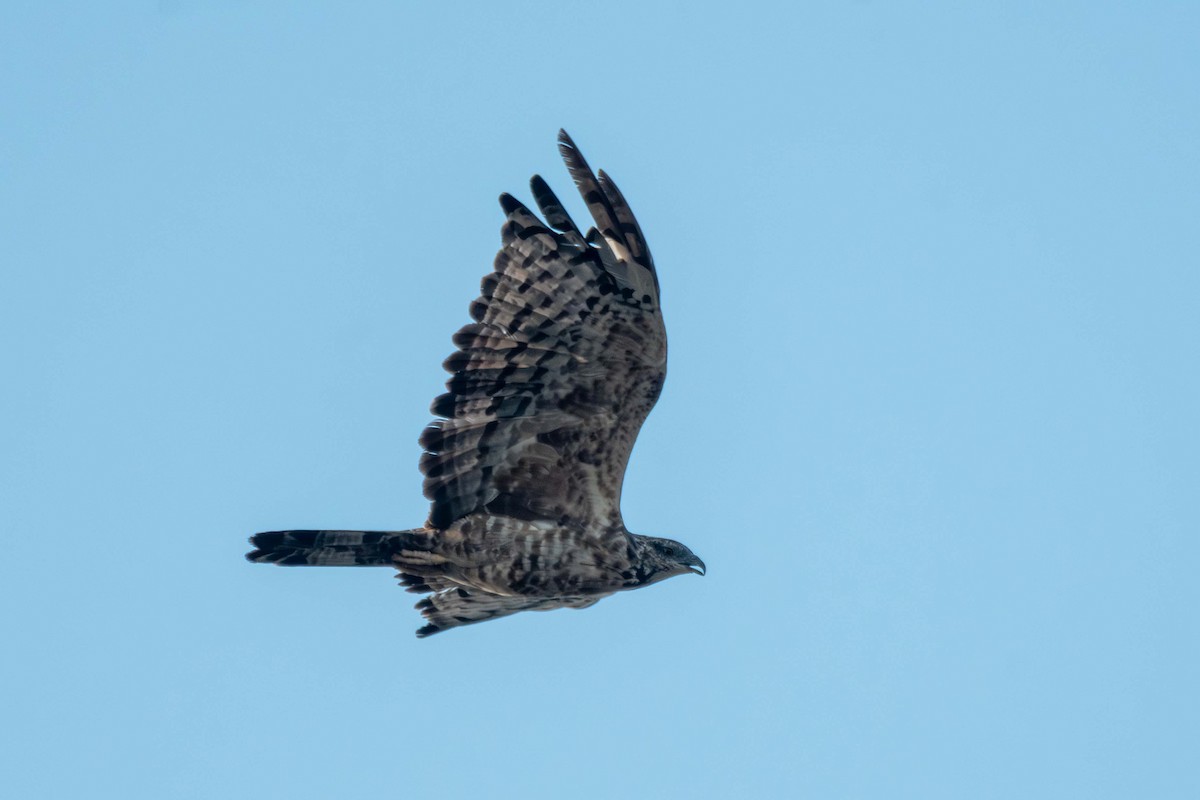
[332, 548]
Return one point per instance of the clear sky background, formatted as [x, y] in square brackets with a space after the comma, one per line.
[930, 273]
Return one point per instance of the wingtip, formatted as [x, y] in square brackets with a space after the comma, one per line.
[427, 630]
[541, 189]
[568, 149]
[509, 203]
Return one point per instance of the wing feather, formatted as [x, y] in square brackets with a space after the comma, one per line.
[553, 210]
[551, 383]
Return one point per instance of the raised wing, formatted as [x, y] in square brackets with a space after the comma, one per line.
[551, 383]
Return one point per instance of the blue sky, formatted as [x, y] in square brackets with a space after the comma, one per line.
[930, 277]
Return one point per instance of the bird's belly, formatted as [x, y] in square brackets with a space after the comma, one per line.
[536, 559]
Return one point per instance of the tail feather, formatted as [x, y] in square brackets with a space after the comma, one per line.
[329, 548]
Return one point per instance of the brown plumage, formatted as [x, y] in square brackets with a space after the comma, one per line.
[548, 388]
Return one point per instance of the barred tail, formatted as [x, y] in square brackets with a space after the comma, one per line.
[330, 548]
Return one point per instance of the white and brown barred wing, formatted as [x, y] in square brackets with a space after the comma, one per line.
[551, 383]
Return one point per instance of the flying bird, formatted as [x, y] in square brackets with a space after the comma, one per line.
[524, 464]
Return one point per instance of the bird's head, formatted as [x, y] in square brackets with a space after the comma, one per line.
[659, 559]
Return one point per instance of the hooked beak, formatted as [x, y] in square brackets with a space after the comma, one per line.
[696, 566]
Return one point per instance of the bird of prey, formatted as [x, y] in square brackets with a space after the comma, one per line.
[524, 464]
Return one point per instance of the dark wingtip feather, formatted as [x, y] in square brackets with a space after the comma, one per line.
[427, 630]
[576, 163]
[414, 583]
[552, 208]
[510, 203]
